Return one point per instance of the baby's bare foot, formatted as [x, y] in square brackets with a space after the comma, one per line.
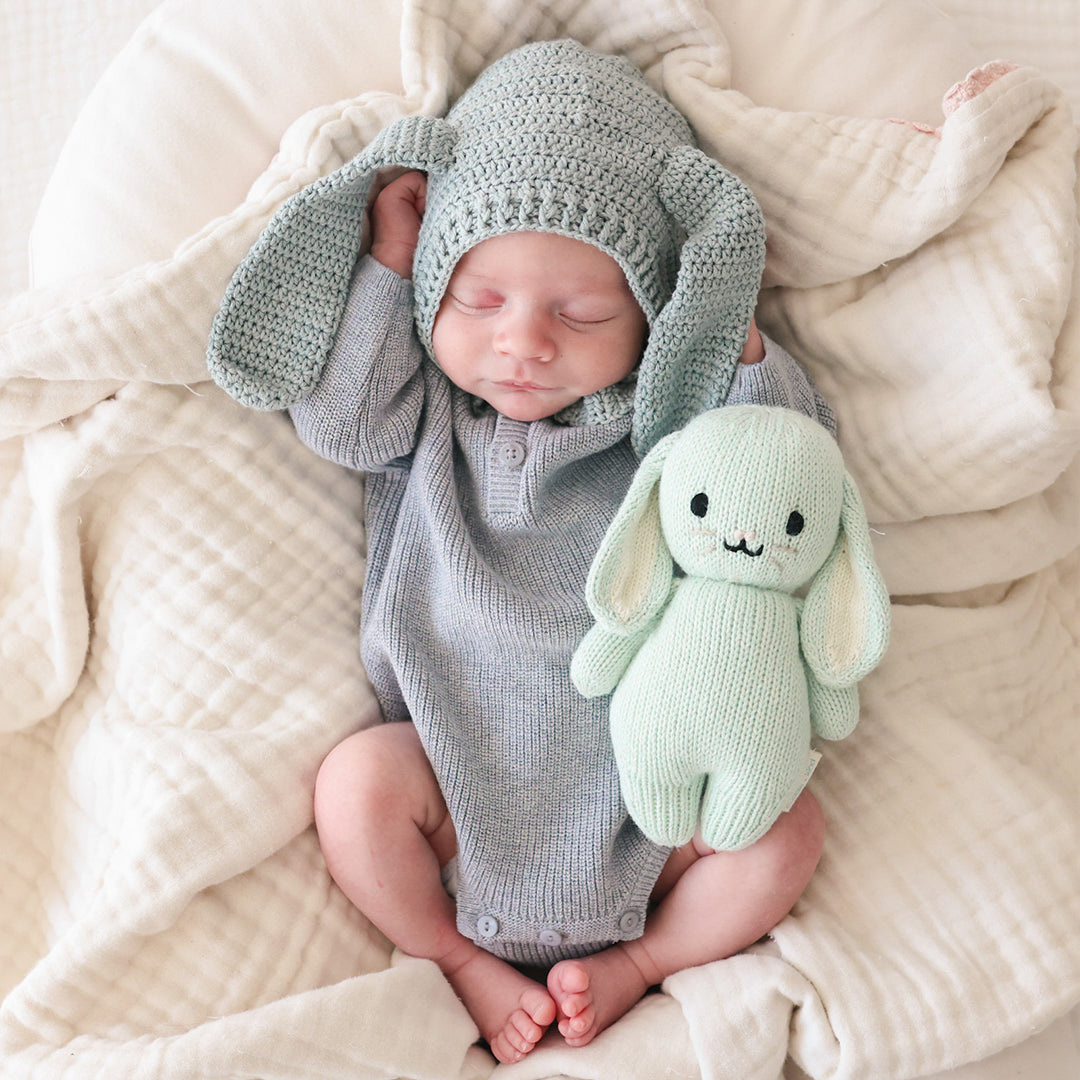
[510, 1009]
[592, 993]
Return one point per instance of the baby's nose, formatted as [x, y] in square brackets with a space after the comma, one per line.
[524, 335]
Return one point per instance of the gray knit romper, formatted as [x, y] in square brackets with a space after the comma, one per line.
[481, 531]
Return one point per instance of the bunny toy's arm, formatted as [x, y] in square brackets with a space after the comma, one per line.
[601, 659]
[603, 656]
[834, 711]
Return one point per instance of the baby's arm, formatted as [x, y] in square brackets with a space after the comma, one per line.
[364, 411]
[777, 379]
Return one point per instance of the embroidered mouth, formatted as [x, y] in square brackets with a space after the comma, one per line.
[741, 546]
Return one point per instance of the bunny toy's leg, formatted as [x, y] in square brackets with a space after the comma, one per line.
[664, 810]
[736, 811]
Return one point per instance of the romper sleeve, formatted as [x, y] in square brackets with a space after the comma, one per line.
[365, 409]
[779, 380]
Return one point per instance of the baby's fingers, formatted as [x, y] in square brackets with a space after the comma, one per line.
[406, 196]
[395, 221]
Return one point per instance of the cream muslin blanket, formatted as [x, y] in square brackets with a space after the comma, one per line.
[181, 586]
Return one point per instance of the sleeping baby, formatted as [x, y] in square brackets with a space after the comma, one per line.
[560, 279]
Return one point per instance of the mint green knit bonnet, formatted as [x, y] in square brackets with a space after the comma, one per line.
[552, 138]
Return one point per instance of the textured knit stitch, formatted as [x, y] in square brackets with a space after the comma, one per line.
[554, 138]
[473, 605]
[719, 678]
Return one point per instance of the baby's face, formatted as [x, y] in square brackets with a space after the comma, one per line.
[532, 322]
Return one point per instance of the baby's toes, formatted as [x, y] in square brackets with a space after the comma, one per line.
[575, 1005]
[568, 978]
[539, 1006]
[522, 1031]
[571, 987]
[517, 1039]
[524, 1028]
[502, 1046]
[578, 1024]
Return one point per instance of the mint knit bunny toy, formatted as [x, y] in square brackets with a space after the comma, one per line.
[722, 676]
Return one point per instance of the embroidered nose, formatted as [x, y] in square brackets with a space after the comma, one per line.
[744, 541]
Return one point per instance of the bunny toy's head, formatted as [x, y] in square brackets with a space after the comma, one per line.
[751, 495]
[757, 496]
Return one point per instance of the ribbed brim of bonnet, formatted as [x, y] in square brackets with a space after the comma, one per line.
[555, 138]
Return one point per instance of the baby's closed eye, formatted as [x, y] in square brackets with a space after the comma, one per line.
[587, 316]
[476, 301]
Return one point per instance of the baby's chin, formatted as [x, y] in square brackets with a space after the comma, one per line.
[526, 408]
[527, 415]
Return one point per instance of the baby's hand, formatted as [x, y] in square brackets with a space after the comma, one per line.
[754, 349]
[395, 222]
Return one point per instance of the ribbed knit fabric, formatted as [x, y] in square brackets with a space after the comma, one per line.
[721, 677]
[481, 531]
[555, 138]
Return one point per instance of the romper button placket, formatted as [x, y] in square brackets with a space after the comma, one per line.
[487, 926]
[629, 921]
[551, 937]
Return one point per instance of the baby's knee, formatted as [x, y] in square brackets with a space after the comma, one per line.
[796, 841]
[373, 775]
[807, 823]
[358, 774]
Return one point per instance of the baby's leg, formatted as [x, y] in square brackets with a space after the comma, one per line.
[385, 833]
[709, 905]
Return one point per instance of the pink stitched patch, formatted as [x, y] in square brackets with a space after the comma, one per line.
[926, 129]
[975, 83]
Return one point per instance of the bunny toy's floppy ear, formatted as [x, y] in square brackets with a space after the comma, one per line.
[845, 621]
[632, 572]
[281, 311]
[697, 337]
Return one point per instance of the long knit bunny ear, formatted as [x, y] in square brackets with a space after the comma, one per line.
[696, 339]
[845, 621]
[281, 311]
[632, 572]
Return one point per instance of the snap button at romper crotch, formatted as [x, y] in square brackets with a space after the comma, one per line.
[551, 937]
[487, 926]
[629, 921]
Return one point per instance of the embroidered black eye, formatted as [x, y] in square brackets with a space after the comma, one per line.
[699, 504]
[795, 523]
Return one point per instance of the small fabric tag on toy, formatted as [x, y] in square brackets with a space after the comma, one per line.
[811, 765]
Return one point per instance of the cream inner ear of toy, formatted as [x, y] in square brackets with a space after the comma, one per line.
[635, 571]
[845, 625]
